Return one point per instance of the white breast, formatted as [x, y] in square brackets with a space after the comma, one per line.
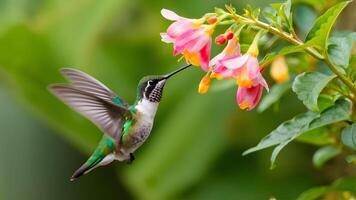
[146, 108]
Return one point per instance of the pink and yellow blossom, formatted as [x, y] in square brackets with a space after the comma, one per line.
[231, 51]
[190, 37]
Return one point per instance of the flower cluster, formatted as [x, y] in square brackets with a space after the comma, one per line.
[192, 38]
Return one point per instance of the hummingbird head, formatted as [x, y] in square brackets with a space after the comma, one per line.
[151, 87]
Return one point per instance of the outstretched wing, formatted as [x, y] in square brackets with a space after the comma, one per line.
[108, 116]
[88, 84]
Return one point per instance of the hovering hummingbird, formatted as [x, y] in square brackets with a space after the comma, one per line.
[125, 127]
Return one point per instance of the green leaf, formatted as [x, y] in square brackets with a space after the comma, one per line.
[275, 93]
[319, 34]
[347, 184]
[339, 48]
[313, 194]
[291, 129]
[287, 50]
[308, 87]
[348, 136]
[351, 158]
[285, 131]
[304, 17]
[324, 154]
[320, 136]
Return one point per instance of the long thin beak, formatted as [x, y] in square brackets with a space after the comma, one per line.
[176, 71]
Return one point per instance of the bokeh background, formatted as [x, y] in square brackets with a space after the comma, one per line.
[194, 151]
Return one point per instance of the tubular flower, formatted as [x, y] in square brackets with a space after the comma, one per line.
[190, 38]
[279, 70]
[231, 51]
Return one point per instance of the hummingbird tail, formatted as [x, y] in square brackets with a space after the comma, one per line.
[102, 155]
[93, 162]
[85, 168]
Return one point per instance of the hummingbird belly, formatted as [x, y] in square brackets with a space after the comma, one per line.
[137, 135]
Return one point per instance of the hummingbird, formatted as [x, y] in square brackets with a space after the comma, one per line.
[125, 127]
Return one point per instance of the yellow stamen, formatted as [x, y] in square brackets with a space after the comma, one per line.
[192, 58]
[244, 82]
[244, 105]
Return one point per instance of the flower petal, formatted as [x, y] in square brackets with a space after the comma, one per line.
[204, 56]
[178, 28]
[253, 67]
[166, 38]
[170, 15]
[236, 62]
[247, 98]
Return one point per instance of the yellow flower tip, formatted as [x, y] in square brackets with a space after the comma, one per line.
[244, 105]
[192, 58]
[197, 23]
[216, 76]
[204, 85]
[244, 82]
[254, 51]
[210, 29]
[279, 70]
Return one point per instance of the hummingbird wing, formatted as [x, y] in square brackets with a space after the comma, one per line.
[107, 115]
[89, 84]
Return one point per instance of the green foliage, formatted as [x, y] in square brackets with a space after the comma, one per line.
[351, 158]
[286, 50]
[302, 123]
[348, 136]
[280, 15]
[324, 154]
[304, 17]
[274, 95]
[347, 184]
[320, 136]
[339, 49]
[319, 34]
[308, 87]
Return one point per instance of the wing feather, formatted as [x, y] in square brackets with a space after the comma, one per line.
[108, 116]
[89, 84]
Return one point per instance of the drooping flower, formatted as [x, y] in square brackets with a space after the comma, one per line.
[245, 69]
[190, 37]
[279, 70]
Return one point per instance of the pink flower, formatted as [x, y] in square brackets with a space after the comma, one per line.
[249, 79]
[247, 98]
[190, 38]
[231, 51]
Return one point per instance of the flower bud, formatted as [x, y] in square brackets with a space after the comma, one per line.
[204, 85]
[212, 20]
[279, 70]
[229, 35]
[220, 40]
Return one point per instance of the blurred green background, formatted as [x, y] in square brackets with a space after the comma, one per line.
[194, 151]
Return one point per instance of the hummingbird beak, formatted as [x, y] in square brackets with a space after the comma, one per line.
[176, 71]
